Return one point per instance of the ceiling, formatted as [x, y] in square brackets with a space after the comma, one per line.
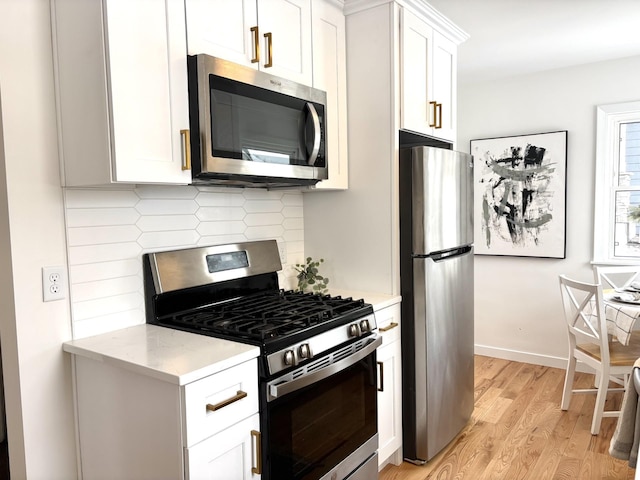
[515, 37]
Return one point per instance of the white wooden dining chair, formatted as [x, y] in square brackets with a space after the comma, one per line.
[616, 277]
[590, 345]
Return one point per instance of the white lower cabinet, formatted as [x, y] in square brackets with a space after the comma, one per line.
[389, 387]
[232, 454]
[132, 425]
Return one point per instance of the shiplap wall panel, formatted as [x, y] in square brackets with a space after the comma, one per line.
[108, 230]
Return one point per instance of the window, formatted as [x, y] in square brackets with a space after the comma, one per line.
[617, 205]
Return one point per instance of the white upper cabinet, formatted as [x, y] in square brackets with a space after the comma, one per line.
[222, 28]
[121, 83]
[273, 36]
[444, 83]
[330, 75]
[428, 67]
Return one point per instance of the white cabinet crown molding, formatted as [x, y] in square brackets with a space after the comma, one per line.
[435, 18]
[336, 3]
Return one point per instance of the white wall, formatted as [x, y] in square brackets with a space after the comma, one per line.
[354, 230]
[37, 376]
[517, 305]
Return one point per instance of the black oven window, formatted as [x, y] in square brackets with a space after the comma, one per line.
[314, 429]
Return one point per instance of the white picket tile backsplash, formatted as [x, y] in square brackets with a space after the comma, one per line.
[108, 230]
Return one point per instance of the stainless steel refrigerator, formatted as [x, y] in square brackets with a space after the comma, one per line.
[436, 271]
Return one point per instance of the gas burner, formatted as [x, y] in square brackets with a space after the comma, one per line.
[267, 316]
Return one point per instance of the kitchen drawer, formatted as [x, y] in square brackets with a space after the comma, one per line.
[225, 391]
[388, 321]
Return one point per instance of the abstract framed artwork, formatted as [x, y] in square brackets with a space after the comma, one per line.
[520, 195]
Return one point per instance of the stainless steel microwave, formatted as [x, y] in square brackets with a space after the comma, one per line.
[249, 128]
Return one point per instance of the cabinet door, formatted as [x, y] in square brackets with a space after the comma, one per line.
[271, 35]
[285, 35]
[222, 28]
[389, 386]
[444, 85]
[146, 42]
[428, 79]
[417, 39]
[389, 397]
[330, 75]
[232, 454]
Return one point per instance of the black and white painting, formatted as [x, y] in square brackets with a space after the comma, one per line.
[520, 195]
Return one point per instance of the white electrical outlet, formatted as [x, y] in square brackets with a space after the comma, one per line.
[53, 284]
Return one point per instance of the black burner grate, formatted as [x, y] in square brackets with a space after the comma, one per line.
[268, 316]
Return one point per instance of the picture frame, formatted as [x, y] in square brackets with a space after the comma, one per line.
[520, 195]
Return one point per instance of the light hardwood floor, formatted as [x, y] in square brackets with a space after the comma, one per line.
[518, 432]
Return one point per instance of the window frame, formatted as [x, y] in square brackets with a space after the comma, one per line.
[609, 118]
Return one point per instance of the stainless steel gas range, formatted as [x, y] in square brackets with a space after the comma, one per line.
[317, 368]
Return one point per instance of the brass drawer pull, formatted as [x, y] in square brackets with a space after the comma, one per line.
[435, 122]
[238, 396]
[256, 44]
[381, 387]
[258, 468]
[439, 110]
[269, 38]
[388, 327]
[186, 145]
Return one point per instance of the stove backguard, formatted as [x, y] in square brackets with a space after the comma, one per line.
[187, 279]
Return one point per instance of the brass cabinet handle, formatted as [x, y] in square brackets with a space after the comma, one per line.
[435, 106]
[439, 110]
[388, 327]
[186, 139]
[256, 44]
[381, 370]
[258, 468]
[269, 38]
[238, 396]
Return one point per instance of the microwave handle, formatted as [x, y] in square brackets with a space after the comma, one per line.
[316, 133]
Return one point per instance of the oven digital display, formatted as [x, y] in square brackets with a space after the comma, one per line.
[219, 262]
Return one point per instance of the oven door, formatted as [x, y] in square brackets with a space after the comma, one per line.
[321, 419]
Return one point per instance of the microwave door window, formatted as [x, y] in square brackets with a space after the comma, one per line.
[223, 134]
[252, 129]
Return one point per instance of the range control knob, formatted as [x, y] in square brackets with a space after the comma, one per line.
[364, 326]
[304, 351]
[354, 330]
[289, 357]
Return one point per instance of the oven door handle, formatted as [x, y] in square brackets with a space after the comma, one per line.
[283, 389]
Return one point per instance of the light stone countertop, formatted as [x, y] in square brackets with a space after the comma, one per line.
[171, 355]
[181, 357]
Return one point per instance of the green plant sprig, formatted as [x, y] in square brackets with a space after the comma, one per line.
[309, 277]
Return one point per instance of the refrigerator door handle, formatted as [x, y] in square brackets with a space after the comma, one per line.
[446, 254]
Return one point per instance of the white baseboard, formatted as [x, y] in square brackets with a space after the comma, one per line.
[526, 357]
